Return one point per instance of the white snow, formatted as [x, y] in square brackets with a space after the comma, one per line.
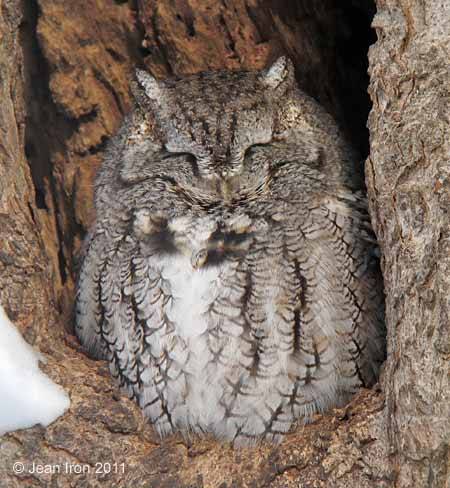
[27, 396]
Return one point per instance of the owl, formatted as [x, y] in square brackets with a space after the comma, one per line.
[231, 278]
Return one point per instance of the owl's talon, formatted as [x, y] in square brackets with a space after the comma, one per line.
[198, 259]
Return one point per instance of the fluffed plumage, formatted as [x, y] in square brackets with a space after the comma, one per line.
[230, 278]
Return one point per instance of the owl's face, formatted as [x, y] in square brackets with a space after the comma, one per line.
[217, 117]
[225, 152]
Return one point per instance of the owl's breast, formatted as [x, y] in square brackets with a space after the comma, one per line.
[192, 292]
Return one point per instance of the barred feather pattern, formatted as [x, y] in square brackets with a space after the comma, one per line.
[232, 284]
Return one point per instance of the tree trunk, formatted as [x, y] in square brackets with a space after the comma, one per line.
[64, 85]
[408, 175]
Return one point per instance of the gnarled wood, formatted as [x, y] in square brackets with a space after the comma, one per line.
[408, 178]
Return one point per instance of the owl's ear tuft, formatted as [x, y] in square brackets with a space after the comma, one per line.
[151, 86]
[281, 71]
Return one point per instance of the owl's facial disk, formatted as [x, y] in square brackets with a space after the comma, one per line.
[217, 117]
[220, 144]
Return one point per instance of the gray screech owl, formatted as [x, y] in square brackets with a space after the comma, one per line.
[230, 277]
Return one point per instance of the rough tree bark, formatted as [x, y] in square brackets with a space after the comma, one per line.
[64, 85]
[408, 175]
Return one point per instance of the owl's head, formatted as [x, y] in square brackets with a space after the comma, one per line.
[216, 117]
[199, 174]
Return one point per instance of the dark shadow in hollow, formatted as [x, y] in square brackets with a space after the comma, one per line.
[332, 61]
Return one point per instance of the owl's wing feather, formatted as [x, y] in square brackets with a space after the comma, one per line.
[336, 283]
[89, 312]
[361, 283]
[136, 329]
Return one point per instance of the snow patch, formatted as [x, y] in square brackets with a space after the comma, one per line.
[27, 396]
